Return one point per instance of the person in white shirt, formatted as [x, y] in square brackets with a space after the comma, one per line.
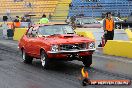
[4, 29]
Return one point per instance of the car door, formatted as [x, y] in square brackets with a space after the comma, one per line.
[28, 45]
[33, 40]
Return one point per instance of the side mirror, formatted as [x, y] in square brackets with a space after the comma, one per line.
[75, 32]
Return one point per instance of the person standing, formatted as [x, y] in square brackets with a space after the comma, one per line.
[29, 5]
[8, 11]
[50, 16]
[70, 5]
[108, 26]
[17, 22]
[68, 20]
[44, 20]
[4, 29]
[17, 19]
[72, 19]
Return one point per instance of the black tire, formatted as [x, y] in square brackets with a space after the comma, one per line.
[87, 61]
[86, 82]
[26, 58]
[44, 60]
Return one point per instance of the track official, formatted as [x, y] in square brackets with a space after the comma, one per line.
[108, 26]
[43, 20]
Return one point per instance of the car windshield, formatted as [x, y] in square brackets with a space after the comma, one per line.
[55, 29]
[89, 21]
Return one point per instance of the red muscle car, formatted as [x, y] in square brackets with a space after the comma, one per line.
[55, 41]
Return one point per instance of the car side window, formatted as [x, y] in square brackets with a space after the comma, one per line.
[29, 31]
[34, 32]
[46, 30]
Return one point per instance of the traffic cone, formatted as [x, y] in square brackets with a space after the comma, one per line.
[103, 41]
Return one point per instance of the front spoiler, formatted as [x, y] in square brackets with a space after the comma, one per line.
[72, 51]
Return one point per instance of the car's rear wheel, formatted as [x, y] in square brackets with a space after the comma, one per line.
[44, 60]
[26, 58]
[87, 61]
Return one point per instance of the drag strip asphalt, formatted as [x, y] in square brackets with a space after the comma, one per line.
[15, 74]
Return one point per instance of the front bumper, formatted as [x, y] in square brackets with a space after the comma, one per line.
[72, 51]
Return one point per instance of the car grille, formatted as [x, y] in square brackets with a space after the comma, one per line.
[73, 46]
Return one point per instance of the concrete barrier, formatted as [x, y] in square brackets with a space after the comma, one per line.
[118, 48]
[18, 33]
[129, 34]
[85, 34]
[1, 23]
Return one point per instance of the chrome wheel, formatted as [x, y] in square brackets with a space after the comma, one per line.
[43, 59]
[23, 55]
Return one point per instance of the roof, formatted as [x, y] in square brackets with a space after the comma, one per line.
[52, 23]
[84, 17]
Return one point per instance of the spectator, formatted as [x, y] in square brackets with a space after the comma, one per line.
[108, 26]
[18, 0]
[70, 5]
[73, 18]
[23, 19]
[28, 19]
[5, 18]
[8, 12]
[68, 20]
[50, 16]
[17, 22]
[43, 20]
[17, 19]
[5, 28]
[29, 5]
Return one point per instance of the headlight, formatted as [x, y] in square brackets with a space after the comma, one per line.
[91, 45]
[54, 48]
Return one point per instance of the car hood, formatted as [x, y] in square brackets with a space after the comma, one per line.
[67, 39]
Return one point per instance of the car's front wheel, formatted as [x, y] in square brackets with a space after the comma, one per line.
[87, 61]
[26, 58]
[44, 60]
